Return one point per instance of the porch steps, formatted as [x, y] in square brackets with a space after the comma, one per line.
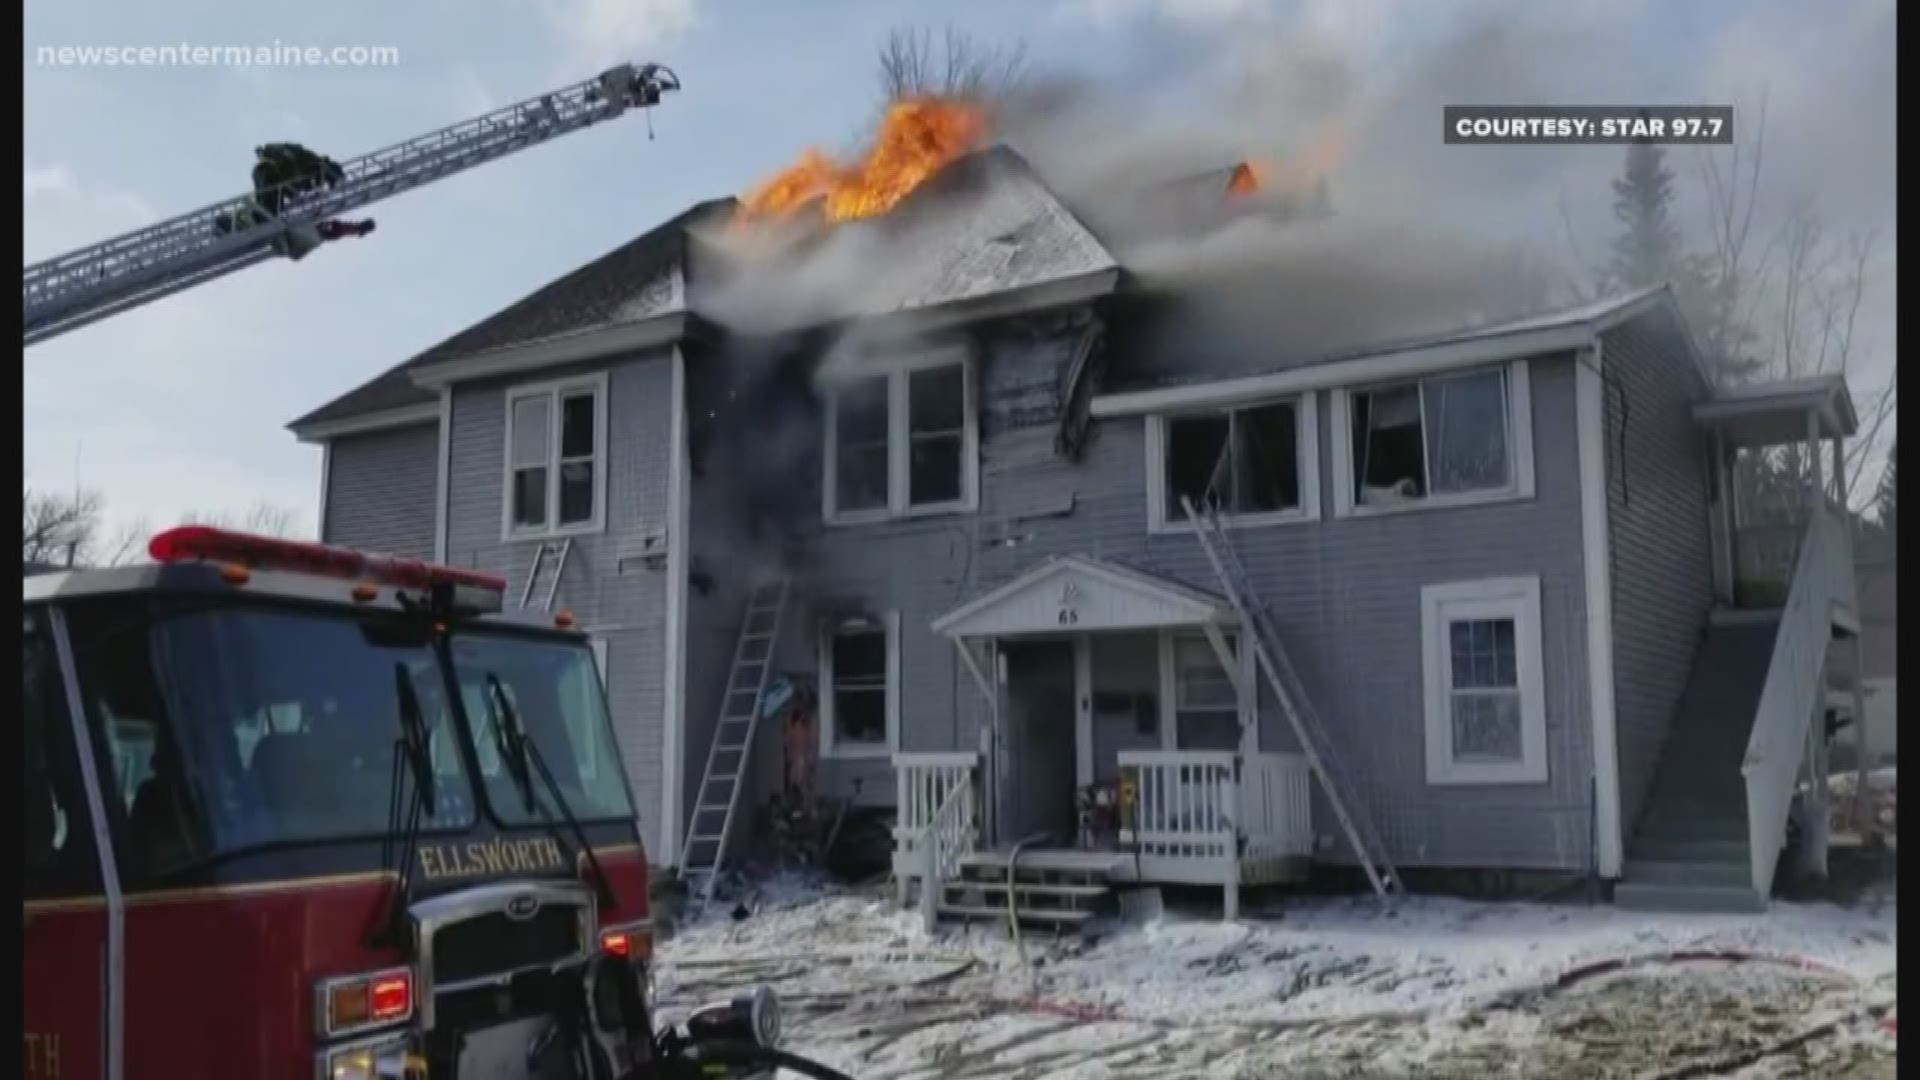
[1690, 850]
[1059, 889]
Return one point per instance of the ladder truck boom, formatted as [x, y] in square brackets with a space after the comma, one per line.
[104, 279]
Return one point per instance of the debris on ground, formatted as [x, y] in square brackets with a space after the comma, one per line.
[1443, 988]
[1883, 796]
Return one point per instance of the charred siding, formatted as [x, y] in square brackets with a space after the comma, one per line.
[380, 490]
[615, 581]
[1662, 570]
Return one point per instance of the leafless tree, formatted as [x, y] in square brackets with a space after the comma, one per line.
[265, 519]
[913, 64]
[58, 529]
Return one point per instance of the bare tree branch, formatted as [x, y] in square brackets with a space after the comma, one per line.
[964, 67]
[58, 529]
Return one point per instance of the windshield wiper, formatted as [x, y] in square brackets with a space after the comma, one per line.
[410, 755]
[522, 757]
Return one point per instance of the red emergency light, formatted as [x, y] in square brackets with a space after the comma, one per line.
[188, 543]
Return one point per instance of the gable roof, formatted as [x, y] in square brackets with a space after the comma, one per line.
[640, 279]
[1101, 595]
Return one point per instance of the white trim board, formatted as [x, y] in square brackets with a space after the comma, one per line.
[443, 477]
[673, 725]
[569, 348]
[406, 416]
[1596, 557]
[326, 487]
[1515, 598]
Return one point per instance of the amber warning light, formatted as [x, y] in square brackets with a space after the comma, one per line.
[472, 589]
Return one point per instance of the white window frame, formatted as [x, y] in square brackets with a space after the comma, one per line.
[1516, 598]
[1520, 476]
[898, 373]
[829, 742]
[554, 391]
[1306, 455]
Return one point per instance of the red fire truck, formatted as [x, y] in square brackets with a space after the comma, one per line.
[298, 811]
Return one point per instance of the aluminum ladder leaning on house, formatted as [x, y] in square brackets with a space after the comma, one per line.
[1292, 695]
[551, 559]
[718, 796]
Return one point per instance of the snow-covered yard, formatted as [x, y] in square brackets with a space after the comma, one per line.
[1320, 987]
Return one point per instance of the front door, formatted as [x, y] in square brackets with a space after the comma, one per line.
[1038, 782]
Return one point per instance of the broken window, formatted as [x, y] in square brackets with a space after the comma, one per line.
[1206, 709]
[553, 450]
[936, 434]
[1441, 436]
[857, 660]
[899, 442]
[1243, 461]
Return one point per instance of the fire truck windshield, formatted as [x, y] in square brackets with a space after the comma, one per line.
[232, 726]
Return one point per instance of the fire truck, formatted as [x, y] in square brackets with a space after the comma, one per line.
[294, 810]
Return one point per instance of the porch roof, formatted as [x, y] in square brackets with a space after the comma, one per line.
[1076, 593]
[1774, 413]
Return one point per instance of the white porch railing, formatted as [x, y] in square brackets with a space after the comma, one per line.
[947, 837]
[925, 783]
[1196, 816]
[1776, 749]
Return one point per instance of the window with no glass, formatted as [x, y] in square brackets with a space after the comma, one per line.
[858, 665]
[1242, 462]
[1444, 436]
[900, 443]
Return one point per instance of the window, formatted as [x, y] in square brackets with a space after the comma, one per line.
[55, 831]
[859, 666]
[901, 443]
[1485, 703]
[1255, 464]
[1206, 709]
[556, 443]
[1459, 437]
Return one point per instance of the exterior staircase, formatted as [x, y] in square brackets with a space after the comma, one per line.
[1690, 848]
[1058, 890]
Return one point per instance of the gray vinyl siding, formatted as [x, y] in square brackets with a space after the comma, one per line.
[1659, 539]
[380, 490]
[1345, 593]
[615, 581]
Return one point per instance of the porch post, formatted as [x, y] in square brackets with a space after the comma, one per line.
[1813, 460]
[1839, 475]
[989, 741]
[1857, 813]
[1723, 470]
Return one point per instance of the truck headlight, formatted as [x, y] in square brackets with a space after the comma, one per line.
[387, 1057]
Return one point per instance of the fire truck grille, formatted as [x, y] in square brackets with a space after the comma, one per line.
[495, 944]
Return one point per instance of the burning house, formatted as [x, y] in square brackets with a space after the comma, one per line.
[917, 432]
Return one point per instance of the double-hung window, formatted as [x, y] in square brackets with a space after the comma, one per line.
[902, 442]
[860, 668]
[1206, 708]
[1254, 463]
[1485, 700]
[1459, 437]
[556, 458]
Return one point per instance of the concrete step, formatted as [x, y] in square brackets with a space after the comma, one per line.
[1731, 875]
[1633, 896]
[1714, 851]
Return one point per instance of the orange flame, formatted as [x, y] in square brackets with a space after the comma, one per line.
[917, 138]
[1248, 177]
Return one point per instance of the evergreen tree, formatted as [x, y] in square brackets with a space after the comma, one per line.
[1647, 251]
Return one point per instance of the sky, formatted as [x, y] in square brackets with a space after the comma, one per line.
[181, 405]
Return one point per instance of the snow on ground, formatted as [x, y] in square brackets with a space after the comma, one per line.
[1330, 987]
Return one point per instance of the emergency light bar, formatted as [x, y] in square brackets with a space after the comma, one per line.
[472, 589]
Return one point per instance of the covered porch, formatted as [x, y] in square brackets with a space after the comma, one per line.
[1121, 724]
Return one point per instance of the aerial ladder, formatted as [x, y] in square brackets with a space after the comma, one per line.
[120, 274]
